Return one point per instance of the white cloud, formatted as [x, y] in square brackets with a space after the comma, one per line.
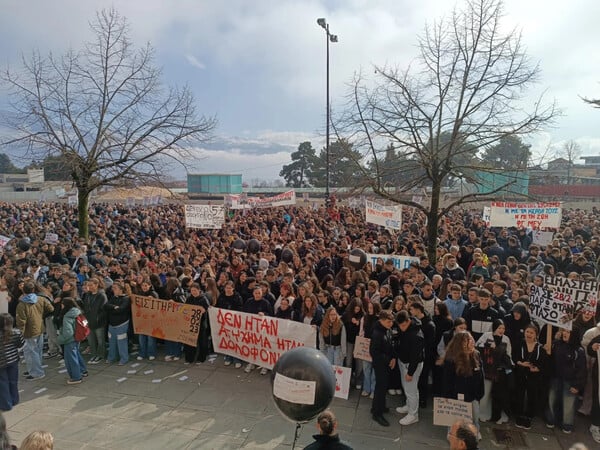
[195, 62]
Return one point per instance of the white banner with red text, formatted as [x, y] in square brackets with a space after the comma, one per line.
[256, 339]
[241, 201]
[526, 215]
[386, 216]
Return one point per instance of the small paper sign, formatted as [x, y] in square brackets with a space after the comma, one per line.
[294, 391]
[446, 411]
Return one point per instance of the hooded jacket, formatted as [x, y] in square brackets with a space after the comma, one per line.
[31, 311]
[380, 347]
[67, 331]
[93, 308]
[515, 329]
[410, 345]
[569, 363]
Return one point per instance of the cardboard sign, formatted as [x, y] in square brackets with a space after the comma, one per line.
[560, 300]
[400, 261]
[204, 216]
[361, 348]
[446, 411]
[259, 340]
[166, 319]
[342, 381]
[528, 215]
[242, 201]
[385, 216]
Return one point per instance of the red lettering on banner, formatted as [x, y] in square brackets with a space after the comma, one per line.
[287, 344]
[260, 324]
[229, 319]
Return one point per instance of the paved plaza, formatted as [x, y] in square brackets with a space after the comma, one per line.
[211, 406]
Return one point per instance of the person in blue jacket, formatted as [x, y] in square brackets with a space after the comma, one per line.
[74, 362]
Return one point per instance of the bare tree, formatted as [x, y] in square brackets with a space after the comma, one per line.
[571, 151]
[105, 111]
[463, 94]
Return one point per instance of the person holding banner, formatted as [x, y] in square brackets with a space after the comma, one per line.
[232, 301]
[198, 353]
[147, 343]
[257, 304]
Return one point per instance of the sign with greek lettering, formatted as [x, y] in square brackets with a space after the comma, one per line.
[386, 216]
[446, 411]
[166, 319]
[361, 348]
[204, 216]
[400, 261]
[242, 201]
[51, 238]
[527, 215]
[259, 340]
[559, 300]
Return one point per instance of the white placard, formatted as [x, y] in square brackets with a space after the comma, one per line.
[4, 240]
[342, 381]
[204, 216]
[446, 411]
[51, 238]
[294, 391]
[386, 216]
[542, 238]
[526, 215]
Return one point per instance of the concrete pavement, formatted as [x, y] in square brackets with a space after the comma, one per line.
[210, 406]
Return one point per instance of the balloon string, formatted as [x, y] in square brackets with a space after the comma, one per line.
[296, 434]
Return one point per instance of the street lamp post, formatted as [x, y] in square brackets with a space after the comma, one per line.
[328, 38]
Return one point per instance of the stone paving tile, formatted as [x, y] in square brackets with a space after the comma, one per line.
[171, 438]
[215, 442]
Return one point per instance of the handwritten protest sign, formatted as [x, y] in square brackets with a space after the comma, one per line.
[386, 216]
[528, 215]
[166, 319]
[294, 391]
[241, 201]
[51, 238]
[257, 339]
[559, 300]
[342, 381]
[542, 238]
[204, 216]
[4, 240]
[361, 348]
[446, 411]
[400, 261]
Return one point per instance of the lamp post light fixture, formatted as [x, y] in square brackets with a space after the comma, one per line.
[328, 38]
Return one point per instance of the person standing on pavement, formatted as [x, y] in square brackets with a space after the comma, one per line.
[93, 301]
[382, 355]
[11, 341]
[410, 351]
[417, 310]
[327, 439]
[118, 309]
[73, 360]
[30, 314]
[257, 304]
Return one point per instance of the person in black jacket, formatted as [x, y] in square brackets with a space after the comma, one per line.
[382, 354]
[480, 317]
[199, 352]
[417, 310]
[119, 311]
[93, 302]
[230, 300]
[327, 439]
[568, 380]
[410, 351]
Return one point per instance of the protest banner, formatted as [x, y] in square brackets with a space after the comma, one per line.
[166, 319]
[446, 411]
[527, 215]
[361, 348]
[72, 200]
[51, 238]
[400, 261]
[4, 240]
[306, 197]
[259, 340]
[204, 216]
[542, 238]
[241, 201]
[559, 300]
[386, 216]
[342, 381]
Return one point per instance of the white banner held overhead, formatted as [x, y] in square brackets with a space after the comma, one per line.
[386, 216]
[526, 215]
[241, 201]
[204, 216]
[400, 261]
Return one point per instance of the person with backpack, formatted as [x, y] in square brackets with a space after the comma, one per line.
[118, 310]
[74, 362]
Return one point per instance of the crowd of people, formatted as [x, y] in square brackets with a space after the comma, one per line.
[457, 325]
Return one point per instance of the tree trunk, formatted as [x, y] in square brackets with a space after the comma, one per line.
[433, 218]
[83, 198]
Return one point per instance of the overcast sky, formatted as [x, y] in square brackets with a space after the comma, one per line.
[260, 65]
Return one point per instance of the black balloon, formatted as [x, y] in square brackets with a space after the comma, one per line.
[305, 364]
[253, 246]
[24, 244]
[357, 258]
[238, 246]
[287, 255]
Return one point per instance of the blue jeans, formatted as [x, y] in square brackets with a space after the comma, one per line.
[97, 342]
[368, 377]
[561, 404]
[33, 352]
[147, 346]
[74, 361]
[117, 341]
[9, 390]
[172, 348]
[333, 354]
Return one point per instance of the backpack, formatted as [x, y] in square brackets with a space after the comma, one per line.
[82, 329]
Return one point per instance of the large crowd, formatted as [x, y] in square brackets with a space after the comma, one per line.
[457, 326]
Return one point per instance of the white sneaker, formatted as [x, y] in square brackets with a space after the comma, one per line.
[402, 409]
[249, 368]
[151, 358]
[263, 371]
[168, 358]
[358, 387]
[139, 358]
[228, 362]
[372, 396]
[238, 365]
[364, 394]
[595, 430]
[175, 358]
[392, 391]
[409, 419]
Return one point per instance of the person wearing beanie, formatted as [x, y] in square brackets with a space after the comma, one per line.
[516, 321]
[495, 348]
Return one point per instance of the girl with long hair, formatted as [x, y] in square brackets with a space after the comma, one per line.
[366, 330]
[351, 318]
[11, 341]
[332, 337]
